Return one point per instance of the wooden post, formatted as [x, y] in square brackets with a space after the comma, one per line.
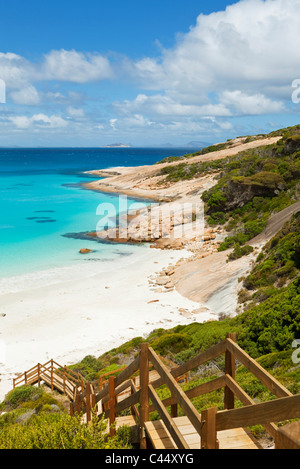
[174, 411]
[144, 395]
[229, 370]
[25, 377]
[77, 403]
[94, 403]
[132, 407]
[51, 375]
[112, 402]
[88, 403]
[288, 437]
[64, 379]
[39, 373]
[208, 430]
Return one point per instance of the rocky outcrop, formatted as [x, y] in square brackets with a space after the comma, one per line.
[241, 190]
[85, 251]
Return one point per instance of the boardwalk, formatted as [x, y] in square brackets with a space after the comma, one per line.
[134, 390]
[160, 438]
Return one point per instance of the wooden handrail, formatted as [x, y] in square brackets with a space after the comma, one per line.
[53, 374]
[204, 388]
[176, 391]
[257, 370]
[288, 437]
[207, 424]
[195, 362]
[280, 409]
[130, 401]
[168, 421]
[129, 371]
[247, 400]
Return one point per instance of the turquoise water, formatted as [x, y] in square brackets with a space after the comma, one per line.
[41, 200]
[37, 213]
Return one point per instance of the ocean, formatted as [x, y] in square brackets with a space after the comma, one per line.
[42, 200]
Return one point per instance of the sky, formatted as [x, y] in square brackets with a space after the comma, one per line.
[146, 73]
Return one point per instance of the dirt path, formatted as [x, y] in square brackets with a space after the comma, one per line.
[212, 280]
[275, 224]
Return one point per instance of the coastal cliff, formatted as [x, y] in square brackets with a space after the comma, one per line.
[238, 274]
[242, 175]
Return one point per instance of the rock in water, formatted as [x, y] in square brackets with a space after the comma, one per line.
[85, 251]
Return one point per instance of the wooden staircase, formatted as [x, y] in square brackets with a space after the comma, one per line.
[238, 438]
[133, 391]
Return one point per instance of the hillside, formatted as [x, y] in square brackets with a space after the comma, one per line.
[252, 201]
[256, 201]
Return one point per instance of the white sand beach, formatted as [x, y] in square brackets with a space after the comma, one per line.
[90, 308]
[46, 316]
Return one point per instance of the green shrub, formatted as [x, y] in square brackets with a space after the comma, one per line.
[240, 252]
[217, 218]
[23, 394]
[173, 343]
[50, 431]
[267, 179]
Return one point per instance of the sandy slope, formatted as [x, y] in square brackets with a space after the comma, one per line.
[71, 318]
[203, 279]
[210, 279]
[142, 181]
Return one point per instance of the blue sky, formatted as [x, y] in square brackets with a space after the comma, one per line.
[92, 73]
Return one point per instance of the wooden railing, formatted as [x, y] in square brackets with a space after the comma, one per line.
[209, 421]
[104, 377]
[121, 393]
[55, 376]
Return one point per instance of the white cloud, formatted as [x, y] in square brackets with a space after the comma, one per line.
[247, 54]
[21, 122]
[245, 104]
[244, 43]
[15, 70]
[75, 112]
[26, 96]
[113, 123]
[76, 67]
[58, 65]
[232, 63]
[160, 105]
[39, 120]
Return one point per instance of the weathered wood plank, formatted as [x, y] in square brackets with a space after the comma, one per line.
[246, 400]
[195, 362]
[159, 435]
[266, 378]
[180, 396]
[288, 437]
[144, 394]
[209, 429]
[229, 370]
[167, 419]
[203, 388]
[273, 411]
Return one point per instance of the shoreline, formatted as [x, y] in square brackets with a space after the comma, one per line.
[69, 319]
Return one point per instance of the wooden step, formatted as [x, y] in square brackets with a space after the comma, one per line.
[127, 421]
[160, 438]
[159, 435]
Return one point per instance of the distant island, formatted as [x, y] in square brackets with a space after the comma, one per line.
[117, 145]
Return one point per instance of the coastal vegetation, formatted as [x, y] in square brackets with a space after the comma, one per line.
[33, 419]
[252, 186]
[249, 188]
